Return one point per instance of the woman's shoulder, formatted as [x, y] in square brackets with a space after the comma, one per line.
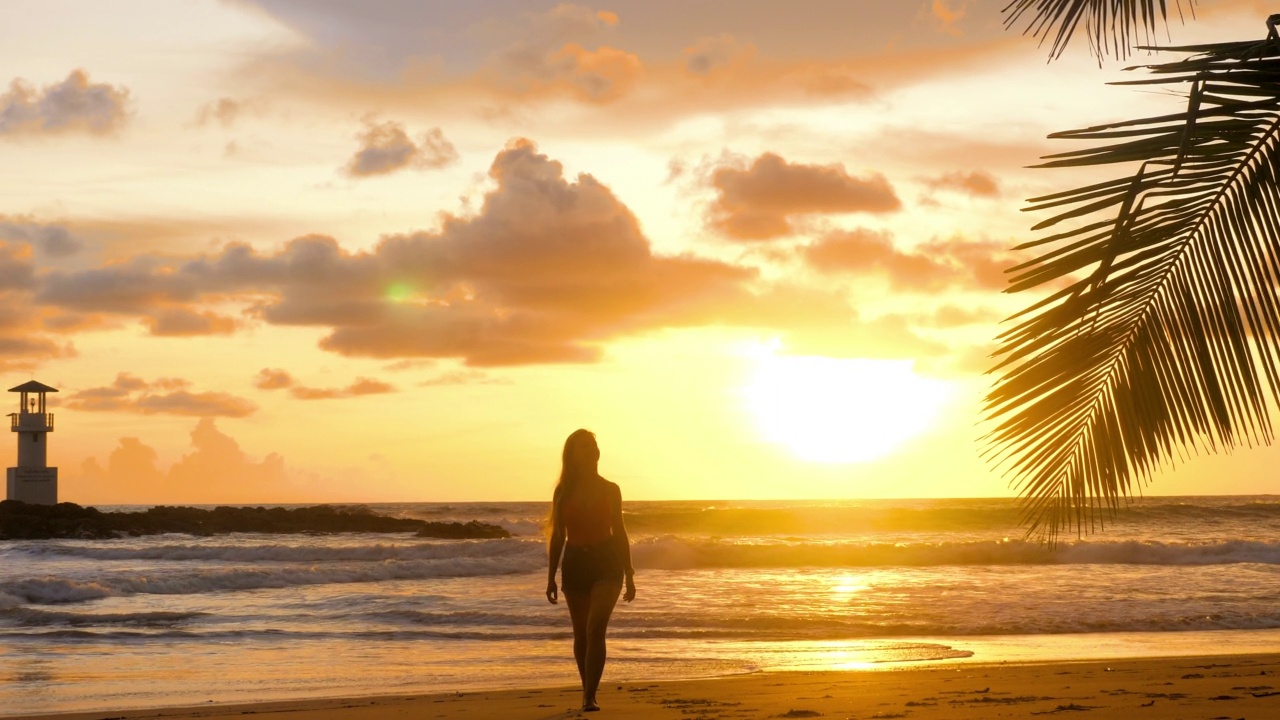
[612, 488]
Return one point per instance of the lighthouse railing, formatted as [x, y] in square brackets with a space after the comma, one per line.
[31, 421]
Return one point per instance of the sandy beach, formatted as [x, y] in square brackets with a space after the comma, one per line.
[1220, 687]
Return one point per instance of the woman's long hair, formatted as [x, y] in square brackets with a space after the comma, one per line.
[570, 474]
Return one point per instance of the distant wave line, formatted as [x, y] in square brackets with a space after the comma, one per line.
[319, 564]
[625, 628]
[682, 554]
[272, 550]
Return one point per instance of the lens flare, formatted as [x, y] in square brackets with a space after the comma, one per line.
[398, 292]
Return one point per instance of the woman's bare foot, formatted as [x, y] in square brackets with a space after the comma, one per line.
[589, 706]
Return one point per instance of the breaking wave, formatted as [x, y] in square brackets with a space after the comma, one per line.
[275, 550]
[54, 590]
[277, 566]
[682, 554]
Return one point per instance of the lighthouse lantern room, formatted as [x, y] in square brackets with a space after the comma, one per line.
[33, 481]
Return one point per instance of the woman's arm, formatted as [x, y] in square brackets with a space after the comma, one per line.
[624, 544]
[555, 546]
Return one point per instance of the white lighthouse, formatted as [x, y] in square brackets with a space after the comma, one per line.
[33, 481]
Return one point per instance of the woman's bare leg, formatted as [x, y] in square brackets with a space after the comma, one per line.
[604, 596]
[579, 610]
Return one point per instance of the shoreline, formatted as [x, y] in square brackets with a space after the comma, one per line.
[132, 689]
[1236, 685]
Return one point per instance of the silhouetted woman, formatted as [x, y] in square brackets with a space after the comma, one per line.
[586, 526]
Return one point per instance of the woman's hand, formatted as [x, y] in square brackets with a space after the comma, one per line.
[552, 591]
[630, 594]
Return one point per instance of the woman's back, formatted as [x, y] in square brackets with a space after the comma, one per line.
[588, 518]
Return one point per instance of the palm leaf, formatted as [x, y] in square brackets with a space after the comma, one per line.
[1109, 25]
[1169, 343]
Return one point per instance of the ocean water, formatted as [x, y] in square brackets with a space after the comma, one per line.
[724, 587]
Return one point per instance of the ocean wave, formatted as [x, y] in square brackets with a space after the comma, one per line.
[31, 617]
[1149, 516]
[955, 516]
[827, 626]
[872, 517]
[819, 519]
[281, 565]
[276, 635]
[56, 590]
[985, 516]
[726, 629]
[465, 617]
[1162, 553]
[273, 550]
[672, 553]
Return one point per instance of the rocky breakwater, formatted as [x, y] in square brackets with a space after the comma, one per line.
[21, 521]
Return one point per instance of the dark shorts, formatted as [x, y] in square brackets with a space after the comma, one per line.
[586, 565]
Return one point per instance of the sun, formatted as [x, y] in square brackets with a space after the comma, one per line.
[841, 410]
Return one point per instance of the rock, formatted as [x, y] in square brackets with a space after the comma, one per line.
[21, 521]
[457, 530]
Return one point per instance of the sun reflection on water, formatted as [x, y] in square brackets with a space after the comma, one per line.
[847, 586]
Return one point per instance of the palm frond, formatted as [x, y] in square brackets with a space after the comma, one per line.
[1170, 344]
[1110, 26]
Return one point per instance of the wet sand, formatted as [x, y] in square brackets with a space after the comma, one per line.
[1219, 687]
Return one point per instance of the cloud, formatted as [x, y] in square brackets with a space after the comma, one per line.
[543, 273]
[272, 379]
[73, 105]
[61, 321]
[146, 285]
[131, 472]
[545, 268]
[23, 346]
[571, 19]
[16, 269]
[135, 286]
[713, 52]
[463, 377]
[368, 386]
[362, 386]
[218, 462]
[601, 76]
[51, 239]
[934, 267]
[982, 262]
[947, 14]
[182, 322]
[77, 242]
[405, 55]
[207, 404]
[168, 396]
[25, 352]
[976, 183]
[758, 202]
[864, 251]
[225, 111]
[551, 59]
[549, 269]
[275, 379]
[216, 470]
[386, 147]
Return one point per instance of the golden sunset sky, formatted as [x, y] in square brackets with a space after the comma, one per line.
[398, 250]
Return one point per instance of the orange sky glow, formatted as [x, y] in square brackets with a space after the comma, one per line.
[272, 251]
